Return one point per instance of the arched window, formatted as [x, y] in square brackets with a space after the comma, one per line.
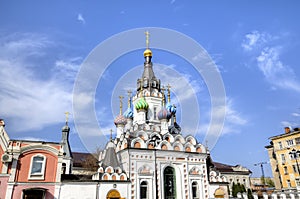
[63, 168]
[35, 193]
[144, 190]
[170, 183]
[37, 167]
[194, 190]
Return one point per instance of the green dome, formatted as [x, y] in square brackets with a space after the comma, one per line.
[141, 104]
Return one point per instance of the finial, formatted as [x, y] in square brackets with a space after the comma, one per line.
[163, 95]
[129, 98]
[169, 93]
[147, 38]
[121, 104]
[67, 117]
[111, 134]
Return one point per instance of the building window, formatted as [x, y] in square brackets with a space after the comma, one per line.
[144, 190]
[285, 170]
[290, 142]
[297, 182]
[35, 193]
[170, 183]
[154, 112]
[282, 158]
[280, 145]
[297, 140]
[37, 167]
[295, 169]
[194, 190]
[288, 182]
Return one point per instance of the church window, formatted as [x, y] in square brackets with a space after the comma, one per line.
[63, 168]
[169, 183]
[194, 190]
[144, 190]
[154, 84]
[154, 112]
[145, 83]
[37, 167]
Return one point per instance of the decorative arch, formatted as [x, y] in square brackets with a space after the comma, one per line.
[113, 194]
[179, 138]
[191, 140]
[177, 146]
[140, 141]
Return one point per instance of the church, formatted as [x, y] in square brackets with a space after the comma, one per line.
[149, 158]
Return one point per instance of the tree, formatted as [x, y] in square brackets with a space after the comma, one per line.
[270, 182]
[249, 194]
[234, 190]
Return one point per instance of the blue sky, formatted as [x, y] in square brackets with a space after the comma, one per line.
[254, 44]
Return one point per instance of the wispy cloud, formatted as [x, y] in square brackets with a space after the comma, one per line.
[33, 102]
[267, 54]
[275, 72]
[80, 18]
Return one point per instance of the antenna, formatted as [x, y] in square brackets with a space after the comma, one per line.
[262, 171]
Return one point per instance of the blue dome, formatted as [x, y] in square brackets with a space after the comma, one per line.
[128, 113]
[171, 108]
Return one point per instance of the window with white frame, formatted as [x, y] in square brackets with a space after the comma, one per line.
[297, 180]
[282, 158]
[297, 140]
[37, 167]
[280, 145]
[290, 142]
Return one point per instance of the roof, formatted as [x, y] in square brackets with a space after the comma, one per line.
[296, 131]
[225, 168]
[110, 158]
[79, 158]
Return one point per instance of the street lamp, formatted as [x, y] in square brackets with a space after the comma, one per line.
[294, 154]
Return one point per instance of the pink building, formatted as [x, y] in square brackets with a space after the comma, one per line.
[31, 169]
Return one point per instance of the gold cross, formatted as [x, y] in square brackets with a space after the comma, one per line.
[121, 104]
[111, 134]
[67, 116]
[129, 97]
[147, 38]
[163, 95]
[169, 94]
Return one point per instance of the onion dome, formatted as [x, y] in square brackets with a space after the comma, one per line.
[171, 108]
[147, 53]
[164, 114]
[120, 120]
[141, 104]
[128, 113]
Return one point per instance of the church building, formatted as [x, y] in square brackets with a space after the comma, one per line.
[149, 158]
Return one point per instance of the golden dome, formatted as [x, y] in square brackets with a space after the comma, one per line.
[147, 53]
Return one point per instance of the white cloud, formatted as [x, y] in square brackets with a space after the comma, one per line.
[80, 18]
[255, 39]
[31, 101]
[275, 72]
[278, 74]
[296, 114]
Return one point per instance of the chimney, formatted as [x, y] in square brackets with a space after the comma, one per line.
[287, 129]
[2, 122]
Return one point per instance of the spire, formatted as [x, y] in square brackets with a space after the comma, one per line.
[169, 93]
[163, 96]
[67, 117]
[129, 98]
[121, 104]
[148, 80]
[147, 52]
[111, 134]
